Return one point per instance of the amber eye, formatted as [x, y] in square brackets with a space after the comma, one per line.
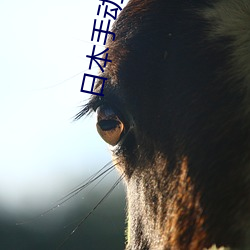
[108, 125]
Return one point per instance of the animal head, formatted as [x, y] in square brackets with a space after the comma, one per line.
[176, 109]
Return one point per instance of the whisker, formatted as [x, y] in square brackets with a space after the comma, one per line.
[68, 79]
[91, 191]
[87, 182]
[93, 209]
[108, 172]
[103, 171]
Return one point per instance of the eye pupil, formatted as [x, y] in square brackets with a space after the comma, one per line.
[106, 125]
[109, 125]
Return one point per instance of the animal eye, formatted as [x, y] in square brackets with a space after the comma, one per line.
[108, 125]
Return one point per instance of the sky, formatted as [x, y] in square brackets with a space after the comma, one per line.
[43, 152]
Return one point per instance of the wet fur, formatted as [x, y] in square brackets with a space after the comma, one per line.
[180, 78]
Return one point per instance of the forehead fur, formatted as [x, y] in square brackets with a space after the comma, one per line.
[231, 18]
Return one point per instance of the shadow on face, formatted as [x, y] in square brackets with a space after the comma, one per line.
[175, 108]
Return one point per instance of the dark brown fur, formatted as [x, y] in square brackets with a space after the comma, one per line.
[186, 148]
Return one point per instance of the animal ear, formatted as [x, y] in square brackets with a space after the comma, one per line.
[108, 125]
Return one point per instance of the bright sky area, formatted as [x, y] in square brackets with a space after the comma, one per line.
[42, 60]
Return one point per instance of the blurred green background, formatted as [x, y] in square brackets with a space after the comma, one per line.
[104, 229]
